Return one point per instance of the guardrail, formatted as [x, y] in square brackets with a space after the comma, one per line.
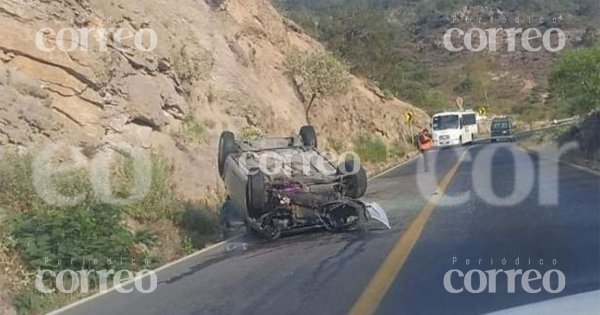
[557, 123]
[569, 120]
[553, 125]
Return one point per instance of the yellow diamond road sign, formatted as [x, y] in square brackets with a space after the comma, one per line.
[408, 116]
[481, 111]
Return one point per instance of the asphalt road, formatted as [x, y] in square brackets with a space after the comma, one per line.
[323, 273]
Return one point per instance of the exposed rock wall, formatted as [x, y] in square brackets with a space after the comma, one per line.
[221, 62]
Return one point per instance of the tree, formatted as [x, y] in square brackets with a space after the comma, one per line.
[316, 74]
[575, 78]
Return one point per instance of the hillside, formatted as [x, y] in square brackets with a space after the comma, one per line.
[398, 44]
[220, 66]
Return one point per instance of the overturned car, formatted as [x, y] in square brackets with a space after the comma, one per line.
[283, 184]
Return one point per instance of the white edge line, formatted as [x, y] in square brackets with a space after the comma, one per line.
[182, 259]
[547, 157]
[168, 265]
[395, 167]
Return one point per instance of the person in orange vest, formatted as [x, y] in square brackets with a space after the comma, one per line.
[425, 144]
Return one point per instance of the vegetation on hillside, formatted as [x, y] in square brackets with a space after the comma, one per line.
[575, 79]
[360, 35]
[316, 74]
[91, 234]
[586, 135]
[393, 43]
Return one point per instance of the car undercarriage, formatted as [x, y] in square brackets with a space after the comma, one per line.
[306, 191]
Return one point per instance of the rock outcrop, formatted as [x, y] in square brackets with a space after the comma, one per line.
[221, 62]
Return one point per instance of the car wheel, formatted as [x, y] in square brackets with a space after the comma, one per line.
[493, 140]
[269, 233]
[460, 141]
[308, 136]
[226, 146]
[256, 193]
[356, 184]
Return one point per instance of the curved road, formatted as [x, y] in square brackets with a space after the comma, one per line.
[401, 271]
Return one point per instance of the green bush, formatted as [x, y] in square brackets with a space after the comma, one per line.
[399, 149]
[198, 226]
[32, 302]
[89, 229]
[17, 193]
[190, 64]
[42, 234]
[371, 149]
[575, 78]
[89, 236]
[161, 201]
[192, 131]
[72, 235]
[322, 75]
[251, 133]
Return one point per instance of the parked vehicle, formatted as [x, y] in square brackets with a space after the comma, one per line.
[454, 128]
[502, 129]
[283, 184]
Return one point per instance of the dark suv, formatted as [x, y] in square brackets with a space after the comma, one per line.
[502, 129]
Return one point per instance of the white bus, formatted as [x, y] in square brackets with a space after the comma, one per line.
[454, 128]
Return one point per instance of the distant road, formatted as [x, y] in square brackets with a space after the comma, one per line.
[323, 273]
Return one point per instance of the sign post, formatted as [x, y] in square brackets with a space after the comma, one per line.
[409, 118]
[459, 102]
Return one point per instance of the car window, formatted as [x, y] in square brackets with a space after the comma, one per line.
[445, 122]
[500, 125]
[469, 119]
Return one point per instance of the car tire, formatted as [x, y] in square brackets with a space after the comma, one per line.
[226, 147]
[271, 234]
[493, 140]
[355, 184]
[308, 136]
[460, 141]
[256, 193]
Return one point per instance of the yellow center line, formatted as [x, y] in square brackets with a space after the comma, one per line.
[369, 300]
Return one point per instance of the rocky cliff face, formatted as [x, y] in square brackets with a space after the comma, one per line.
[219, 64]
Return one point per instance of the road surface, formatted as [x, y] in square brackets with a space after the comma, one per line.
[399, 271]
